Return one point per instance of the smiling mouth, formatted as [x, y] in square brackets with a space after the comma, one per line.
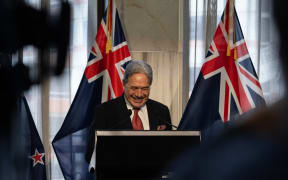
[138, 100]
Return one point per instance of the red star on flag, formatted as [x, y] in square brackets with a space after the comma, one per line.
[37, 158]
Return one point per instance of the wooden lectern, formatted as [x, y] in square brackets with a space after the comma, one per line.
[140, 154]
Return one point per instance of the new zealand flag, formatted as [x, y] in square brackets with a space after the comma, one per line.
[101, 81]
[227, 84]
[34, 161]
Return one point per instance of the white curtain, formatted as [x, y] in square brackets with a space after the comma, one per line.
[50, 101]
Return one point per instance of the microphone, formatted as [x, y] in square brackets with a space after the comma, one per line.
[167, 123]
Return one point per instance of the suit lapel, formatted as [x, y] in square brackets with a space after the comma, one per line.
[123, 115]
[152, 115]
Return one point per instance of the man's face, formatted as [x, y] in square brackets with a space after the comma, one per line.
[137, 89]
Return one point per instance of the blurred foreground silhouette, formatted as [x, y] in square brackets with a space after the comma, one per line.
[24, 25]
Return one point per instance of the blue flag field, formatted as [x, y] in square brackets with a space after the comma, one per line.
[34, 165]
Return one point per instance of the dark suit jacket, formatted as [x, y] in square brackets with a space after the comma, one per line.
[114, 115]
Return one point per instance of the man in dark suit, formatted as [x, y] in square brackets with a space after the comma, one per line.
[119, 113]
[133, 110]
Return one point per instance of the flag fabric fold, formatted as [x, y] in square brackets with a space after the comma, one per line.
[227, 84]
[34, 161]
[101, 81]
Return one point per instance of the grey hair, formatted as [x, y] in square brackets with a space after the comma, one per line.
[138, 66]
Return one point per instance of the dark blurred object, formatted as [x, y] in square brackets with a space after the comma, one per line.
[23, 25]
[5, 60]
[253, 147]
[14, 81]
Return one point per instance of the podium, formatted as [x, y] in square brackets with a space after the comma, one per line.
[140, 154]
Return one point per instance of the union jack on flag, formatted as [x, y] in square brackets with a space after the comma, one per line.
[108, 55]
[227, 84]
[102, 81]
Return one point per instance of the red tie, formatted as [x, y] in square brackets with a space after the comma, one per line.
[136, 121]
